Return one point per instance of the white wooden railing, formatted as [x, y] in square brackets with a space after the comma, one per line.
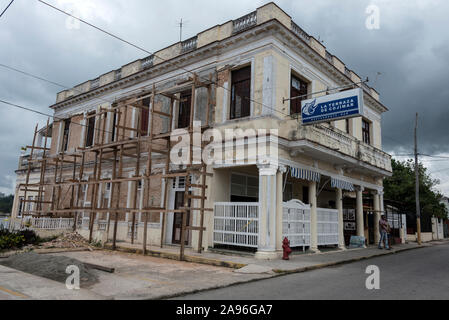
[102, 225]
[51, 223]
[236, 224]
[296, 223]
[4, 223]
[327, 226]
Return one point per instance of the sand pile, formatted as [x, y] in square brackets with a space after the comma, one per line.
[50, 266]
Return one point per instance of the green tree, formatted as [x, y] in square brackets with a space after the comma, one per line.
[400, 187]
[6, 204]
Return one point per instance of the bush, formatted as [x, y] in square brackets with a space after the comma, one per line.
[30, 236]
[17, 239]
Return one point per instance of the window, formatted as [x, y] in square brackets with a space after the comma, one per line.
[19, 215]
[298, 88]
[184, 109]
[244, 188]
[114, 120]
[90, 131]
[241, 93]
[366, 134]
[145, 117]
[65, 136]
[347, 126]
[30, 204]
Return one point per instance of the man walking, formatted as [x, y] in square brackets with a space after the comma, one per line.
[384, 229]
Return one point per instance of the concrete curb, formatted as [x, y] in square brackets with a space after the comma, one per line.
[281, 273]
[341, 262]
[59, 250]
[174, 256]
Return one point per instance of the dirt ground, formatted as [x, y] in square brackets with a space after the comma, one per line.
[135, 276]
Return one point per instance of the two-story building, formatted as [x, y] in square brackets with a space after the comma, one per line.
[323, 184]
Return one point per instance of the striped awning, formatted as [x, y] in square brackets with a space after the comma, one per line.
[305, 174]
[341, 184]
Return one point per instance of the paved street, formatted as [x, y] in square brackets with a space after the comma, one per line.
[415, 274]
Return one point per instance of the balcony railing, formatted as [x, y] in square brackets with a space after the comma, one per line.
[95, 84]
[347, 72]
[245, 22]
[300, 32]
[189, 45]
[118, 74]
[335, 139]
[147, 62]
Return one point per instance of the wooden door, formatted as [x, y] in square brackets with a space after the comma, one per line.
[177, 219]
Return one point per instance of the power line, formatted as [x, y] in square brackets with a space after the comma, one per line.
[180, 67]
[1, 14]
[51, 116]
[433, 156]
[439, 170]
[50, 81]
[151, 53]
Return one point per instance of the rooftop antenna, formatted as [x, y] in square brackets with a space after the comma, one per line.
[181, 24]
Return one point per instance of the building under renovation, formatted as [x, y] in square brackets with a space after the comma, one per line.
[109, 166]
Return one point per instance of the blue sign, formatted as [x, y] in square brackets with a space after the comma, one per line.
[342, 105]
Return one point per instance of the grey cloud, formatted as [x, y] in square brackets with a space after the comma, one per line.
[411, 50]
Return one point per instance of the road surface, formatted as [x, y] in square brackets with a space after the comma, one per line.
[416, 274]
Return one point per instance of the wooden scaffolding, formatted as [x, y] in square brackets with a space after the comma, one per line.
[127, 142]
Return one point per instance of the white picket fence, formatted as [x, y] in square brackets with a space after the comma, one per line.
[236, 224]
[296, 223]
[52, 223]
[4, 223]
[327, 226]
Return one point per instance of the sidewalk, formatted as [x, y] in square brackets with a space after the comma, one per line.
[248, 264]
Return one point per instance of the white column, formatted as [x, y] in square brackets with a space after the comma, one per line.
[267, 212]
[313, 217]
[339, 204]
[376, 216]
[280, 204]
[359, 212]
[381, 202]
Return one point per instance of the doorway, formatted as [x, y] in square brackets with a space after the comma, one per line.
[177, 219]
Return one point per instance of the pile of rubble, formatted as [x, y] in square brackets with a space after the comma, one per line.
[68, 240]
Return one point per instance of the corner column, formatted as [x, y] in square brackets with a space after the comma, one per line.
[268, 194]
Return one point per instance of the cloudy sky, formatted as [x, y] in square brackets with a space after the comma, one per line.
[406, 59]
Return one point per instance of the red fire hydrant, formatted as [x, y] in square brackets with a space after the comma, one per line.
[287, 249]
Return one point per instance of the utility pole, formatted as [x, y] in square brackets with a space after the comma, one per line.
[418, 210]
